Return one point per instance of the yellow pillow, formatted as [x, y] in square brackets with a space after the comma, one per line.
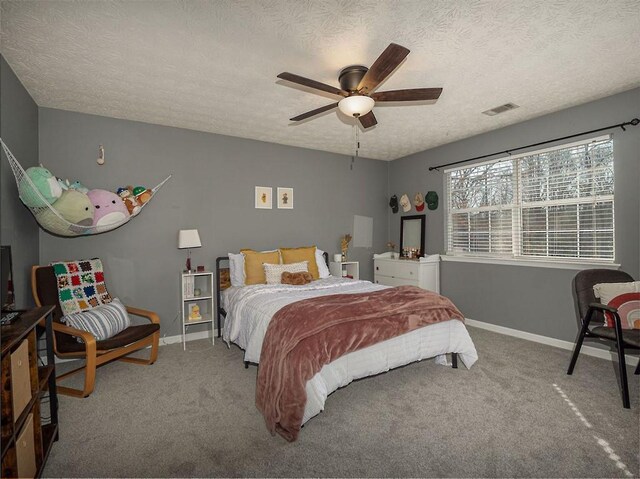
[253, 269]
[306, 253]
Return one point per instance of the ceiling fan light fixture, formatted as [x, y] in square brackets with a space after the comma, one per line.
[356, 105]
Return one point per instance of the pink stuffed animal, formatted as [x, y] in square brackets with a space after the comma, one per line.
[109, 209]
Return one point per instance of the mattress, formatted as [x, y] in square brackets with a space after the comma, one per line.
[250, 308]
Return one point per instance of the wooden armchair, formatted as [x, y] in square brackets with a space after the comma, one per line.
[96, 353]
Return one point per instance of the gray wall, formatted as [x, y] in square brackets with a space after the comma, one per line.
[19, 131]
[212, 189]
[536, 300]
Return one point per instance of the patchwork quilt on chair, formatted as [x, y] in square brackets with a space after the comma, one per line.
[80, 285]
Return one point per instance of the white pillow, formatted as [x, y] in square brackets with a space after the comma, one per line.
[323, 269]
[273, 272]
[103, 321]
[607, 291]
[236, 269]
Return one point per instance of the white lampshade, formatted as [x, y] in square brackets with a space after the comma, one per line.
[188, 239]
[356, 105]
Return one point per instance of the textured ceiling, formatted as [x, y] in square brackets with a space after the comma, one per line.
[212, 66]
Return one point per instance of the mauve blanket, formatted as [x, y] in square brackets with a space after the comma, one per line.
[304, 336]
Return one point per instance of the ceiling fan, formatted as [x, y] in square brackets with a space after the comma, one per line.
[357, 85]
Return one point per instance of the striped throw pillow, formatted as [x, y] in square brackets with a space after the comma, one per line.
[103, 321]
[273, 272]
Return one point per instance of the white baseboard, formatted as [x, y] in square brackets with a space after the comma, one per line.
[558, 343]
[189, 337]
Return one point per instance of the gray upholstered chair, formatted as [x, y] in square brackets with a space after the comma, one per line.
[591, 313]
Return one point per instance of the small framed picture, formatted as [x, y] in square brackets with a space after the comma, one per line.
[263, 197]
[285, 198]
[194, 312]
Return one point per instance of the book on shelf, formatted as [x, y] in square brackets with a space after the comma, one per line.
[188, 286]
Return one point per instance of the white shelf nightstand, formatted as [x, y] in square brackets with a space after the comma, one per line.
[345, 269]
[191, 283]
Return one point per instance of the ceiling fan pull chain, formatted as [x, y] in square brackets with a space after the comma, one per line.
[355, 137]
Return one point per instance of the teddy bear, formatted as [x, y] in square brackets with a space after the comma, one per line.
[129, 200]
[300, 278]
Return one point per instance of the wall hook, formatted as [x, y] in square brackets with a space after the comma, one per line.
[100, 159]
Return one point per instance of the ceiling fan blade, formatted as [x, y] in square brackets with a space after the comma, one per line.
[312, 84]
[317, 111]
[382, 67]
[368, 120]
[415, 94]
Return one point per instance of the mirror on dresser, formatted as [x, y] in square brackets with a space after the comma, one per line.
[412, 236]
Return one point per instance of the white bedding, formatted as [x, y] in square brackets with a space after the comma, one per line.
[250, 308]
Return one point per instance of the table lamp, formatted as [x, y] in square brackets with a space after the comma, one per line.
[188, 239]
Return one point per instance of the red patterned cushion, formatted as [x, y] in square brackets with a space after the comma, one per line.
[628, 305]
[623, 296]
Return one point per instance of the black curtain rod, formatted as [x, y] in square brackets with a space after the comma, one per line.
[633, 122]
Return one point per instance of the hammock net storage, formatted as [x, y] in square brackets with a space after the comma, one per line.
[50, 218]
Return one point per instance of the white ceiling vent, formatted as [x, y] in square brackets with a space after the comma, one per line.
[501, 109]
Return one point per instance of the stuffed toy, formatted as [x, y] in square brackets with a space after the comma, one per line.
[74, 207]
[301, 278]
[76, 185]
[64, 184]
[142, 194]
[130, 201]
[45, 183]
[109, 209]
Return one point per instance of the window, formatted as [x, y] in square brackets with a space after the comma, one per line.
[555, 203]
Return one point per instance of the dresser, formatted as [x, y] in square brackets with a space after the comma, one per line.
[422, 272]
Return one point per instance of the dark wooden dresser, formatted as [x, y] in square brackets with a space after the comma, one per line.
[29, 400]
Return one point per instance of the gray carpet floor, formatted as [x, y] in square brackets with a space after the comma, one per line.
[514, 414]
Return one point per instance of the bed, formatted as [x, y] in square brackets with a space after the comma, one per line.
[248, 311]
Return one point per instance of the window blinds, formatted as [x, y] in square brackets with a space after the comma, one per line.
[553, 203]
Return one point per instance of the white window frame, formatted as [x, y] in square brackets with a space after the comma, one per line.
[516, 258]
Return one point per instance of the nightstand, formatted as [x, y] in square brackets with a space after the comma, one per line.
[345, 269]
[197, 308]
